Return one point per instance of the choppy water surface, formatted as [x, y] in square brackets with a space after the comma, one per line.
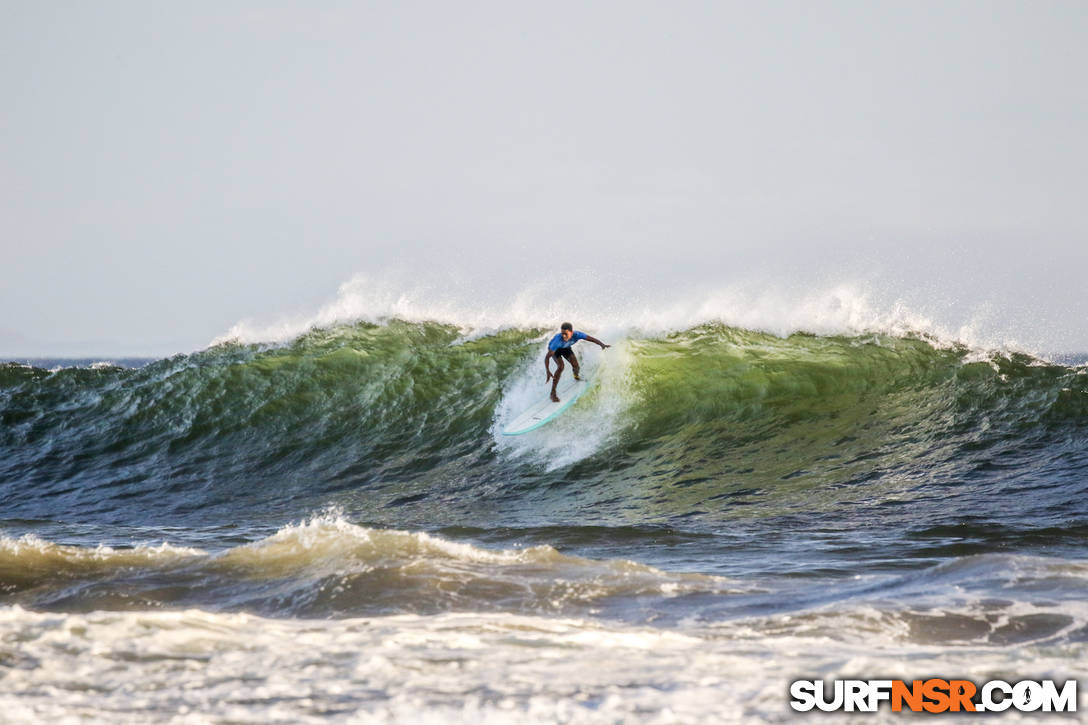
[334, 528]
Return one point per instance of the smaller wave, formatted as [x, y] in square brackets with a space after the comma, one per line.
[327, 566]
[335, 567]
[29, 561]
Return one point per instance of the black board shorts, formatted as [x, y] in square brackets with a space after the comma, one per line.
[565, 352]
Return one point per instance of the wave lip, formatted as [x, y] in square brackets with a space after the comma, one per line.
[624, 307]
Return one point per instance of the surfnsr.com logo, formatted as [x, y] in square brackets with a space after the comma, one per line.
[933, 695]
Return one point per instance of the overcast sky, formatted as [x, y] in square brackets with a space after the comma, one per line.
[170, 168]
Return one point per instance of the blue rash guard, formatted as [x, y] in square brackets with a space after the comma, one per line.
[557, 342]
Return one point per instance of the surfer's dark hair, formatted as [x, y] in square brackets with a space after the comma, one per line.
[567, 326]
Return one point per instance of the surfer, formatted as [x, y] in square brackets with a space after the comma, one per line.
[559, 348]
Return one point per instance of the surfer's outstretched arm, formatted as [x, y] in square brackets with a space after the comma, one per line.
[549, 356]
[595, 340]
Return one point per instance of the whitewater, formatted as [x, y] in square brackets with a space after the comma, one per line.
[319, 520]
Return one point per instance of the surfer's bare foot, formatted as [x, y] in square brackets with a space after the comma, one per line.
[555, 398]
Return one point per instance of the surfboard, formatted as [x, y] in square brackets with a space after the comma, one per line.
[544, 410]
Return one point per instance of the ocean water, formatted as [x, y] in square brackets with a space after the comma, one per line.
[331, 527]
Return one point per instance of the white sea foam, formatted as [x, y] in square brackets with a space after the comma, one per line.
[327, 539]
[327, 543]
[619, 308]
[584, 429]
[327, 547]
[196, 667]
[30, 546]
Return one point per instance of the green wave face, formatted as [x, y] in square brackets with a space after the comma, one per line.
[709, 422]
[748, 417]
[335, 407]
